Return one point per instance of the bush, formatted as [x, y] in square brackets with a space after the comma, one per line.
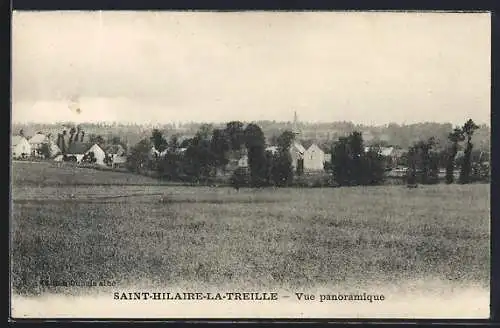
[240, 178]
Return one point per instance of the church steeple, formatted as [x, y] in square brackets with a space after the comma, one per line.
[295, 128]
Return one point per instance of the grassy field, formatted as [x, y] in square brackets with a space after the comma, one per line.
[203, 236]
[49, 174]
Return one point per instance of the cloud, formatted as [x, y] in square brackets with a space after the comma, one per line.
[353, 66]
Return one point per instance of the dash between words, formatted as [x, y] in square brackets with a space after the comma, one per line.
[168, 296]
[235, 296]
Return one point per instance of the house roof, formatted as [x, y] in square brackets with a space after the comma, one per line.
[315, 145]
[38, 138]
[307, 143]
[95, 146]
[272, 149]
[384, 151]
[78, 148]
[119, 159]
[17, 140]
[115, 149]
[298, 147]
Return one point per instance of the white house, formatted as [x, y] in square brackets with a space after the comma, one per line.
[99, 154]
[243, 161]
[36, 143]
[79, 149]
[118, 161]
[272, 149]
[154, 153]
[314, 158]
[117, 150]
[20, 147]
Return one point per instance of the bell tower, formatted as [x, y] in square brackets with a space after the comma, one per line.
[295, 128]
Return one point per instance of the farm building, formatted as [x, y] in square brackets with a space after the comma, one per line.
[154, 153]
[78, 150]
[392, 154]
[20, 147]
[236, 159]
[118, 150]
[314, 158]
[118, 161]
[243, 161]
[99, 154]
[272, 149]
[36, 143]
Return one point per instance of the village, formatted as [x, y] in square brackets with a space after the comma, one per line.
[307, 156]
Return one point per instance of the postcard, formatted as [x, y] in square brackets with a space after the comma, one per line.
[253, 164]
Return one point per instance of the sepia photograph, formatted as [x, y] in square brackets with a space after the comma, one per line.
[252, 164]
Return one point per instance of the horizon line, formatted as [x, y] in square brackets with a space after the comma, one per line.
[201, 122]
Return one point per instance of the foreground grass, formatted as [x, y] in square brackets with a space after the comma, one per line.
[266, 238]
[49, 174]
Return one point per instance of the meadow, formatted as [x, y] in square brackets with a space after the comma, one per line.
[84, 225]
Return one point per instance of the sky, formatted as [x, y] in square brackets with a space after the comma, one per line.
[162, 67]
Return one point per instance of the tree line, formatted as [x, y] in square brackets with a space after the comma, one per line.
[322, 133]
[425, 160]
[208, 153]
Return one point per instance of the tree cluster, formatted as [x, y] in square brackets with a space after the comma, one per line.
[209, 152]
[424, 159]
[351, 165]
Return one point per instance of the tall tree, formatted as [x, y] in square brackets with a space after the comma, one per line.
[412, 158]
[468, 129]
[341, 162]
[78, 130]
[186, 143]
[352, 166]
[236, 134]
[455, 137]
[63, 142]
[199, 160]
[285, 140]
[138, 159]
[255, 144]
[174, 143]
[205, 131]
[219, 146]
[158, 141]
[425, 161]
[282, 170]
[356, 154]
[72, 132]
